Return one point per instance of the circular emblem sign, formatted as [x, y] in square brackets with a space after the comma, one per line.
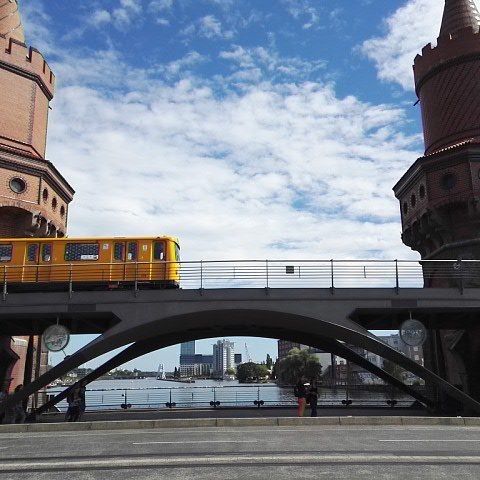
[56, 338]
[413, 332]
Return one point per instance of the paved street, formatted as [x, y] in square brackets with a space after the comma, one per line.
[383, 452]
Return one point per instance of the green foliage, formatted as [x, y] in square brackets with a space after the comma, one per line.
[297, 364]
[230, 371]
[269, 361]
[251, 372]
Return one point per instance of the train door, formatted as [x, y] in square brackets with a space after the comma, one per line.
[159, 256]
[45, 263]
[30, 272]
[118, 267]
[131, 259]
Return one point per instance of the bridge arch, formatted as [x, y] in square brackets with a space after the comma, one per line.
[151, 330]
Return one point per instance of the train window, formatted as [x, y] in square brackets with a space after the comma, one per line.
[118, 251]
[6, 253]
[132, 251]
[81, 251]
[158, 251]
[32, 252]
[46, 252]
[177, 253]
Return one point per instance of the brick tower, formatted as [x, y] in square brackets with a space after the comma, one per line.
[440, 193]
[34, 197]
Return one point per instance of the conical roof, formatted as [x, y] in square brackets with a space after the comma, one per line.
[10, 21]
[459, 14]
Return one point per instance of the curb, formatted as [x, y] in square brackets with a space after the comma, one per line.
[240, 422]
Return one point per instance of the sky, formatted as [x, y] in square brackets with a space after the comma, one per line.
[250, 129]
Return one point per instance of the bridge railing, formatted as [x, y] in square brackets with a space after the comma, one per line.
[245, 274]
[238, 396]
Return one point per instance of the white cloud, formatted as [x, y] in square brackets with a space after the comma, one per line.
[160, 5]
[277, 171]
[409, 29]
[100, 17]
[305, 11]
[270, 62]
[211, 27]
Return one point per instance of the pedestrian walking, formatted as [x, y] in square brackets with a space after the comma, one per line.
[83, 404]
[313, 396]
[301, 393]
[74, 401]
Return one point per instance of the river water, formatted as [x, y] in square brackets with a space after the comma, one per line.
[152, 393]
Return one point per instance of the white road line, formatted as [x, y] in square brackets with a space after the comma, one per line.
[232, 460]
[433, 441]
[199, 441]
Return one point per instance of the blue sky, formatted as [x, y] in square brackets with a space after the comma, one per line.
[247, 128]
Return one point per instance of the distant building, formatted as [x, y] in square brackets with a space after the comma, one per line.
[187, 359]
[237, 359]
[284, 346]
[223, 357]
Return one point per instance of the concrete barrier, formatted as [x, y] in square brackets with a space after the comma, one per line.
[428, 421]
[239, 422]
[306, 421]
[371, 421]
[247, 422]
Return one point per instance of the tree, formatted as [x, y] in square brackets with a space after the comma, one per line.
[261, 371]
[297, 364]
[230, 371]
[269, 361]
[246, 372]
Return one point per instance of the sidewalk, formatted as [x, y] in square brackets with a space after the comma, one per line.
[237, 417]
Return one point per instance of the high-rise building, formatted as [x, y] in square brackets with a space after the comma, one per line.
[34, 197]
[440, 193]
[187, 359]
[223, 357]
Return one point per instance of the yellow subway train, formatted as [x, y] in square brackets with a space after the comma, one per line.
[42, 263]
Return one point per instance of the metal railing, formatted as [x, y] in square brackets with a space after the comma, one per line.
[243, 274]
[237, 396]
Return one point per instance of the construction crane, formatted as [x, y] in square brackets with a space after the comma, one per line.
[247, 355]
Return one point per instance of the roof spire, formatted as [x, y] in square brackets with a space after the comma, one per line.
[10, 21]
[459, 14]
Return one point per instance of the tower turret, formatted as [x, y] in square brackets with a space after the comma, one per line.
[34, 196]
[10, 21]
[440, 193]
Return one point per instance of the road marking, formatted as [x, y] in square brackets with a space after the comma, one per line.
[199, 441]
[433, 441]
[233, 460]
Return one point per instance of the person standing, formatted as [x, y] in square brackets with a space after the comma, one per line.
[82, 391]
[19, 414]
[313, 396]
[301, 393]
[74, 402]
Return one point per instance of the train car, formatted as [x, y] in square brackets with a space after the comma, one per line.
[89, 263]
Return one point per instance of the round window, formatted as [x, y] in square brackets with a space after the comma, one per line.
[54, 203]
[421, 191]
[413, 200]
[405, 208]
[62, 211]
[18, 185]
[45, 194]
[448, 181]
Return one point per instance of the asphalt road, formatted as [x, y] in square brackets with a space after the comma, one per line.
[277, 453]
